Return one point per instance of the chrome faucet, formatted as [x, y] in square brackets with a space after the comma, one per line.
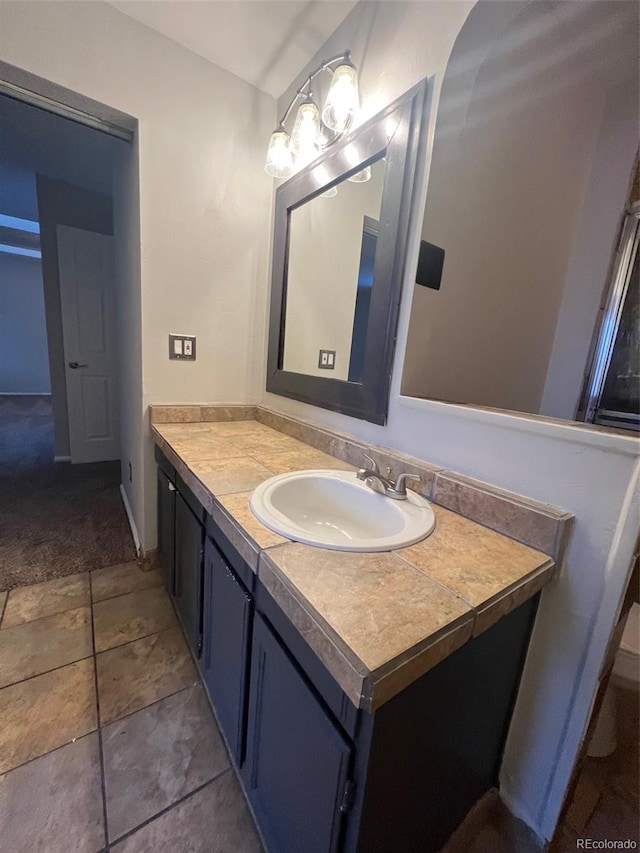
[395, 489]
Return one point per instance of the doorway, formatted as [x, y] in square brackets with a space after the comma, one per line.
[61, 501]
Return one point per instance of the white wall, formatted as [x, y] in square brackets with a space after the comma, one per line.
[588, 473]
[205, 202]
[322, 281]
[24, 363]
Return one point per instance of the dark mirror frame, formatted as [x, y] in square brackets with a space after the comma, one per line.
[369, 399]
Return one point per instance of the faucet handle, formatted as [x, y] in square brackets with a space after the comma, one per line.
[399, 485]
[373, 464]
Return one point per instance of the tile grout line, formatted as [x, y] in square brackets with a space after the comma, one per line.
[131, 591]
[4, 606]
[150, 705]
[89, 603]
[129, 642]
[40, 618]
[143, 637]
[46, 672]
[100, 726]
[99, 722]
[50, 752]
[94, 653]
[168, 808]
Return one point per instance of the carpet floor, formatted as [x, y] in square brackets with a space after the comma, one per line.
[56, 519]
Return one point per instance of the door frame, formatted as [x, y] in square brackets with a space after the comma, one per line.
[610, 316]
[38, 92]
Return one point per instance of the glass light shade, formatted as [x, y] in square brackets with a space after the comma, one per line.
[343, 99]
[306, 129]
[279, 163]
[361, 176]
[330, 193]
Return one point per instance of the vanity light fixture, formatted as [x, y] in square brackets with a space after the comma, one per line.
[311, 134]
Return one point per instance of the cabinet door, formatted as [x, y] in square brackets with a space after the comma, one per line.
[166, 528]
[228, 612]
[297, 760]
[188, 573]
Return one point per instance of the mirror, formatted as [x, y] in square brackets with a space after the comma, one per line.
[533, 154]
[339, 248]
[332, 246]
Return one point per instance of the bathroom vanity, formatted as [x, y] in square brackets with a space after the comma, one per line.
[364, 704]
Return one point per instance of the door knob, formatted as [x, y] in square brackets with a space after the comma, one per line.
[74, 365]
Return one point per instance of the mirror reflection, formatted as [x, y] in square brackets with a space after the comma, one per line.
[329, 278]
[528, 185]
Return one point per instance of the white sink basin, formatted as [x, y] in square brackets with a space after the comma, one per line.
[335, 510]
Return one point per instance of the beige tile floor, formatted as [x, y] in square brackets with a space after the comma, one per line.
[107, 741]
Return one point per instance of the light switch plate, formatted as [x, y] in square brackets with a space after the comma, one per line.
[182, 347]
[327, 359]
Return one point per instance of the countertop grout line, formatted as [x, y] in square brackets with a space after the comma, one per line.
[341, 645]
[497, 597]
[424, 574]
[99, 722]
[224, 494]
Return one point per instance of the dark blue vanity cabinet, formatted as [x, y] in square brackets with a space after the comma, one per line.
[298, 760]
[227, 618]
[320, 775]
[166, 523]
[181, 529]
[187, 588]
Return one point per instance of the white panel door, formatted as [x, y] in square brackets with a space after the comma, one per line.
[87, 295]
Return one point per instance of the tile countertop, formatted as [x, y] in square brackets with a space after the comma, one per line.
[378, 621]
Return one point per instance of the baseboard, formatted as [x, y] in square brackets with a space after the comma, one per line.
[25, 393]
[62, 459]
[132, 524]
[515, 808]
[148, 560]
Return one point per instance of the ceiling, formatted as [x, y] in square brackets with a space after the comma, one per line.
[265, 42]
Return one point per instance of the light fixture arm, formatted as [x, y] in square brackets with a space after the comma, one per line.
[305, 90]
[308, 136]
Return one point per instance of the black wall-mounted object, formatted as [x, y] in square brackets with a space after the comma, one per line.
[430, 264]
